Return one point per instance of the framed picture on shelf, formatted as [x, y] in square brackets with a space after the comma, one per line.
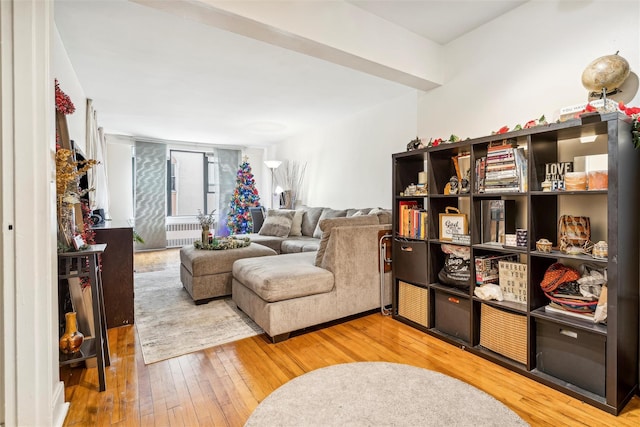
[78, 242]
[452, 222]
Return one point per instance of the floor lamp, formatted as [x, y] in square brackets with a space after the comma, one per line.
[273, 165]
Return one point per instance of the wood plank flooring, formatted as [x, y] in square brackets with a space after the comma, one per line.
[222, 385]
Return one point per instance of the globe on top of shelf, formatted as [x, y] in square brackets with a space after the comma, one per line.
[606, 74]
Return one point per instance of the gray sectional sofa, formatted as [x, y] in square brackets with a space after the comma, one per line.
[302, 287]
[305, 233]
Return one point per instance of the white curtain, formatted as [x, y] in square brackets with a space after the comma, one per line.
[97, 149]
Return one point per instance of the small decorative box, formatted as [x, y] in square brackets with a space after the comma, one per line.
[543, 245]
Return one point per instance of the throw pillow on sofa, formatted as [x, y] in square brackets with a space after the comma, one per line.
[326, 214]
[277, 223]
[310, 220]
[296, 224]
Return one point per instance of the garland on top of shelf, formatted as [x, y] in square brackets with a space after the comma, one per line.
[419, 143]
[530, 124]
[634, 113]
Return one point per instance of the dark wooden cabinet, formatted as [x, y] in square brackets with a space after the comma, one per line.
[594, 362]
[117, 273]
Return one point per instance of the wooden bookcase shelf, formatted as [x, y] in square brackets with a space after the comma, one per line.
[596, 363]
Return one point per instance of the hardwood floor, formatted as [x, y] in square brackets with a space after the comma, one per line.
[155, 260]
[222, 385]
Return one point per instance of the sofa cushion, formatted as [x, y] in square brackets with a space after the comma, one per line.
[384, 215]
[328, 224]
[356, 212]
[299, 244]
[283, 277]
[310, 220]
[272, 242]
[326, 214]
[277, 223]
[296, 224]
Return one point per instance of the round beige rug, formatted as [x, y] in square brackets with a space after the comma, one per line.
[380, 394]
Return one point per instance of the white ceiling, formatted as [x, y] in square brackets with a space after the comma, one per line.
[154, 75]
[438, 20]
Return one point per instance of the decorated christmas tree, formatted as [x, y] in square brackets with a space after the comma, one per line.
[244, 197]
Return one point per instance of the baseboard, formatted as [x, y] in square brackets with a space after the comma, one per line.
[60, 407]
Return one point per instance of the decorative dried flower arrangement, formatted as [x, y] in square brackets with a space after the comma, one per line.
[68, 192]
[206, 220]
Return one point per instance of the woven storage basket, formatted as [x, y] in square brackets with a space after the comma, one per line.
[504, 332]
[413, 303]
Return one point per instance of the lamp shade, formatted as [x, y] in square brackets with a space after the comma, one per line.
[272, 164]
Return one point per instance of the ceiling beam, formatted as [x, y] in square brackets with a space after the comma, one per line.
[334, 31]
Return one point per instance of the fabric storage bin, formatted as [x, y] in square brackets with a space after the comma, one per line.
[410, 261]
[413, 303]
[572, 355]
[504, 332]
[452, 315]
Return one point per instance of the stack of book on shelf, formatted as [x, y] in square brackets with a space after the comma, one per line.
[552, 307]
[412, 220]
[504, 169]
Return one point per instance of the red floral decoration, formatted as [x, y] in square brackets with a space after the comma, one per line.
[634, 114]
[89, 237]
[64, 104]
[629, 111]
[587, 109]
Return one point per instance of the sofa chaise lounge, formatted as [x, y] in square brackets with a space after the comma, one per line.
[288, 292]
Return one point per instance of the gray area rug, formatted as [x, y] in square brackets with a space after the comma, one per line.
[380, 394]
[169, 324]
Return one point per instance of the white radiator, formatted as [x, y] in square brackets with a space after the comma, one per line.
[183, 234]
[183, 227]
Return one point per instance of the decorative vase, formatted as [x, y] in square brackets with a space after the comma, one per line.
[66, 226]
[288, 199]
[72, 339]
[205, 235]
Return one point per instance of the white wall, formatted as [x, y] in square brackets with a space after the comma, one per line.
[349, 163]
[33, 394]
[526, 63]
[62, 70]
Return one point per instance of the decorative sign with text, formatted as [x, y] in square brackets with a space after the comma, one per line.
[555, 172]
[513, 281]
